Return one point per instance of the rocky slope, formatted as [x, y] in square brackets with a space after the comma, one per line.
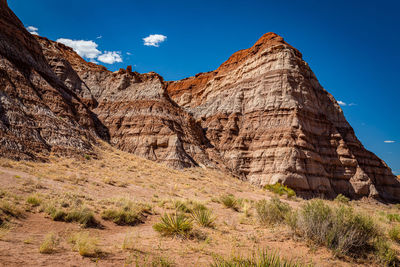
[271, 121]
[38, 113]
[262, 115]
[140, 116]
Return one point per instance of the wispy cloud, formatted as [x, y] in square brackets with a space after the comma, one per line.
[389, 141]
[343, 104]
[32, 30]
[99, 37]
[154, 40]
[110, 57]
[88, 50]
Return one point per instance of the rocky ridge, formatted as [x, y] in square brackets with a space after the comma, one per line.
[262, 115]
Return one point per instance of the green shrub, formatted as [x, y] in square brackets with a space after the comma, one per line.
[230, 202]
[174, 224]
[342, 199]
[394, 233]
[340, 229]
[203, 217]
[272, 212]
[128, 213]
[280, 189]
[263, 259]
[49, 244]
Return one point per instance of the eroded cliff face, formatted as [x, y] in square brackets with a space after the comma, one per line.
[135, 108]
[38, 114]
[271, 121]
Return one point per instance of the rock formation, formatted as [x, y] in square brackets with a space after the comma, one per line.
[262, 115]
[271, 121]
[135, 108]
[38, 113]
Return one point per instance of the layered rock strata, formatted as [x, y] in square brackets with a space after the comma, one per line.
[135, 108]
[38, 113]
[271, 121]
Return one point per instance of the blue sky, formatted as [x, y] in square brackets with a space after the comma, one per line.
[352, 46]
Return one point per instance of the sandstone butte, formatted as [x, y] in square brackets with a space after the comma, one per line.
[262, 116]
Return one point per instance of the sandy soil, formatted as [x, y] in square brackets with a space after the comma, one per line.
[116, 174]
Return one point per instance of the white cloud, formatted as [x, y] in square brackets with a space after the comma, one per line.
[154, 40]
[86, 49]
[128, 53]
[33, 30]
[110, 57]
[99, 37]
[343, 104]
[389, 141]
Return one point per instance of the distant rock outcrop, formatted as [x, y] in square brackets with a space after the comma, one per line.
[262, 115]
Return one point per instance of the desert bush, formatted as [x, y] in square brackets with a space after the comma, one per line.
[174, 224]
[394, 233]
[230, 202]
[263, 259]
[342, 199]
[127, 213]
[84, 216]
[385, 254]
[181, 206]
[340, 229]
[7, 209]
[272, 212]
[34, 200]
[187, 206]
[49, 244]
[86, 245]
[203, 217]
[393, 217]
[280, 189]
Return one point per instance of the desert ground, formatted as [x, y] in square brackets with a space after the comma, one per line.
[32, 235]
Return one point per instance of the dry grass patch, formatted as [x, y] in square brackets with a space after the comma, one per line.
[127, 212]
[261, 259]
[272, 212]
[86, 245]
[230, 202]
[49, 244]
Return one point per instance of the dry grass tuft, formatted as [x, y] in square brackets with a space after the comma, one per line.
[49, 244]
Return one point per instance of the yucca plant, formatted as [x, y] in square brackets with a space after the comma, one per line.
[203, 217]
[174, 224]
